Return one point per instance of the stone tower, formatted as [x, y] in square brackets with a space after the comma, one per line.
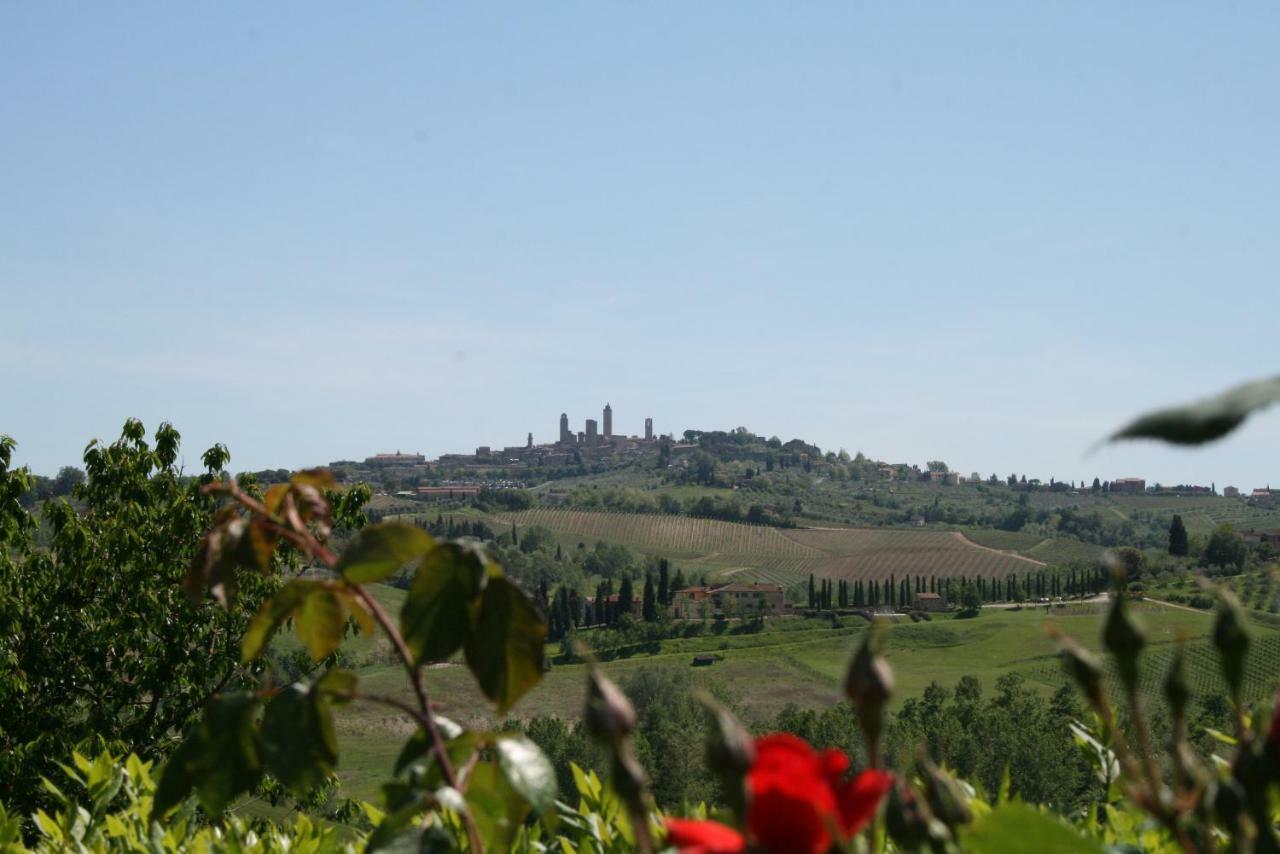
[608, 421]
[648, 429]
[592, 433]
[566, 438]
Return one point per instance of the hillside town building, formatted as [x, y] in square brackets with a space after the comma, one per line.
[728, 600]
[1129, 485]
[396, 459]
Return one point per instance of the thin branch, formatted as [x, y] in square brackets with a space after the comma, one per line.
[424, 705]
[296, 532]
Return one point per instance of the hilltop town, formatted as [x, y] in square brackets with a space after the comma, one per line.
[740, 457]
[511, 466]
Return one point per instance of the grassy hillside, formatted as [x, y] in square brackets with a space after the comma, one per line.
[794, 660]
[877, 553]
[785, 556]
[1052, 550]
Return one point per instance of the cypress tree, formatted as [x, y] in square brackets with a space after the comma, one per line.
[650, 606]
[664, 583]
[812, 601]
[625, 595]
[1178, 546]
[565, 609]
[515, 540]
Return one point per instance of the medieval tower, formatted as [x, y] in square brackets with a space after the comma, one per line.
[608, 421]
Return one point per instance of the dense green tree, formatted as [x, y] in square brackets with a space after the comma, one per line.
[97, 639]
[664, 582]
[648, 607]
[608, 560]
[1130, 561]
[535, 537]
[1225, 549]
[67, 479]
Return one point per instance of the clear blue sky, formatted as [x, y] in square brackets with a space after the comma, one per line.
[985, 233]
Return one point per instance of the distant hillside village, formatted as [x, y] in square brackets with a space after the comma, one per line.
[597, 448]
[511, 467]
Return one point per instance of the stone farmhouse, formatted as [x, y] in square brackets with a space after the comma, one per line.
[932, 602]
[729, 600]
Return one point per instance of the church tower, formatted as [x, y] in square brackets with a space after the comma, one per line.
[608, 421]
[566, 438]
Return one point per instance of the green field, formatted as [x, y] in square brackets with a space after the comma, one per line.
[782, 555]
[1049, 550]
[795, 660]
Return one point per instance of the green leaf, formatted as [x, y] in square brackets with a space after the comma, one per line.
[497, 809]
[504, 651]
[1205, 420]
[273, 613]
[528, 771]
[298, 741]
[379, 550]
[179, 775]
[1231, 638]
[1016, 827]
[398, 830]
[219, 758]
[459, 745]
[231, 763]
[337, 685]
[442, 601]
[320, 622]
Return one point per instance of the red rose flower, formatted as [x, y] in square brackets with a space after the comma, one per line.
[858, 798]
[801, 798]
[703, 837]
